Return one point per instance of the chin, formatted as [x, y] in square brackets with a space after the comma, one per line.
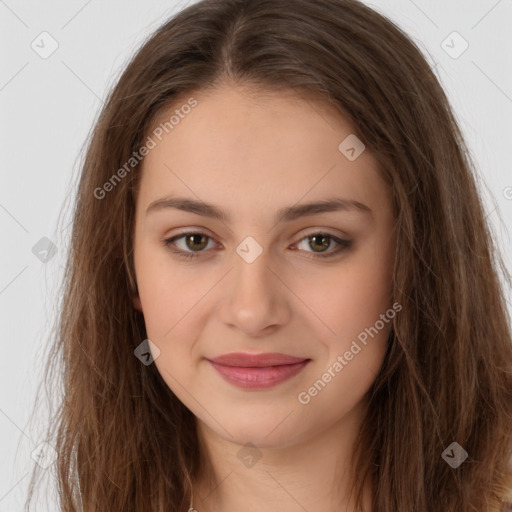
[261, 433]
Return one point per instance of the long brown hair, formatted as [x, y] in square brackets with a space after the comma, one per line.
[124, 440]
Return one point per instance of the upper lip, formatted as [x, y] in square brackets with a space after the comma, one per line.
[256, 360]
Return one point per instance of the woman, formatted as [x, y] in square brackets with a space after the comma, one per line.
[339, 340]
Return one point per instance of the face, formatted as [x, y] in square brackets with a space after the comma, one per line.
[260, 272]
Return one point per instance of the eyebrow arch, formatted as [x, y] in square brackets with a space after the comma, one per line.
[286, 214]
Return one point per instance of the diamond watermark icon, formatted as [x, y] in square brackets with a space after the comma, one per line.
[44, 455]
[44, 45]
[455, 455]
[44, 249]
[454, 45]
[249, 249]
[249, 455]
[147, 352]
[351, 147]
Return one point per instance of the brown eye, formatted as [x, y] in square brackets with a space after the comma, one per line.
[320, 243]
[195, 242]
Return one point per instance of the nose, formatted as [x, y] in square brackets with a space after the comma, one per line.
[255, 300]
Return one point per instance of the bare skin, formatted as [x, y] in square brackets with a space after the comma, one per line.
[252, 155]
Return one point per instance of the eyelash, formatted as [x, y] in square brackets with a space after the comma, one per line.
[343, 245]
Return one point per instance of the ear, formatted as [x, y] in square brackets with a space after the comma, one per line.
[137, 303]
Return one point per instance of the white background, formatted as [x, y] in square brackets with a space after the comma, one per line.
[48, 107]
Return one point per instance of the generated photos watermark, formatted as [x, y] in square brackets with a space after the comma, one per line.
[304, 397]
[151, 143]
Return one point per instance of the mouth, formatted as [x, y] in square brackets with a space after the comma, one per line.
[258, 373]
[247, 360]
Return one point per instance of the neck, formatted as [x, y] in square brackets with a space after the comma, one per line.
[312, 474]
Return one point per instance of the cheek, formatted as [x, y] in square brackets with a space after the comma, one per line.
[168, 297]
[355, 303]
[166, 292]
[352, 296]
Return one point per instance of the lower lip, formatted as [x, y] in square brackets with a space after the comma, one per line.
[252, 378]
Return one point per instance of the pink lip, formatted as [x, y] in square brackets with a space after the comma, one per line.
[257, 371]
[256, 360]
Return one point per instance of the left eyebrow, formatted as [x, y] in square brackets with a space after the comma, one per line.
[286, 214]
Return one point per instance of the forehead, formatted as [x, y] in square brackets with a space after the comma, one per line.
[256, 149]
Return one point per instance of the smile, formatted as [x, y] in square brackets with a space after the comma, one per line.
[259, 377]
